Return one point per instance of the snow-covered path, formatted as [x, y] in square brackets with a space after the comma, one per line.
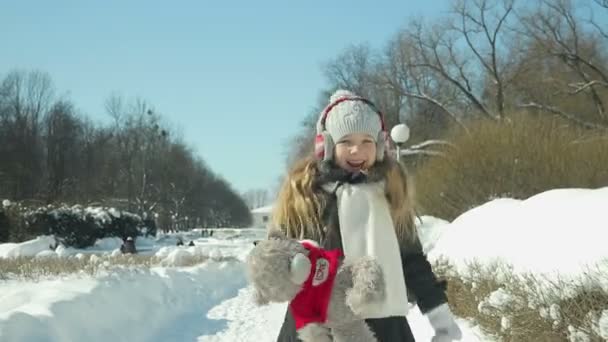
[246, 322]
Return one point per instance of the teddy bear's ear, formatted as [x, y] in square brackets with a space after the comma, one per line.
[276, 234]
[299, 268]
[259, 298]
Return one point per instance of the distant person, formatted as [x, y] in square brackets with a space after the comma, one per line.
[191, 244]
[180, 242]
[128, 246]
[211, 232]
[53, 246]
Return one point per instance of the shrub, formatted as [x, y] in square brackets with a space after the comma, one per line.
[519, 158]
[35, 268]
[527, 307]
[71, 226]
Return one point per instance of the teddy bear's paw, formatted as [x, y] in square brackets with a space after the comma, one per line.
[314, 333]
[354, 301]
[356, 331]
[368, 280]
[360, 302]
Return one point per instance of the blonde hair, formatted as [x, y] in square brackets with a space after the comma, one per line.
[299, 208]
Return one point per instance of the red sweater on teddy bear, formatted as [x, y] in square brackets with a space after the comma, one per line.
[311, 303]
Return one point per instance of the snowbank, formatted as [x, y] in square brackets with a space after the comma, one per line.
[558, 232]
[429, 230]
[144, 305]
[28, 248]
[109, 243]
[227, 243]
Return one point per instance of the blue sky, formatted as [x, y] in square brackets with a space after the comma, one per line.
[234, 78]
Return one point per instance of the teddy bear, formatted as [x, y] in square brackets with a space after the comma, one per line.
[327, 293]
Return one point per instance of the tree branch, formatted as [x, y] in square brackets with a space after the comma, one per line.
[431, 142]
[568, 116]
[438, 104]
[581, 86]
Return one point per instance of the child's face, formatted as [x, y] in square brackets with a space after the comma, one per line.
[355, 152]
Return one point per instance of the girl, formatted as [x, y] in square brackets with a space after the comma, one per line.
[351, 195]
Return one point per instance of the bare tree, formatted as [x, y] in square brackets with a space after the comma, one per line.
[129, 133]
[63, 132]
[352, 70]
[465, 50]
[97, 175]
[424, 94]
[256, 198]
[25, 98]
[436, 51]
[564, 35]
[358, 69]
[481, 18]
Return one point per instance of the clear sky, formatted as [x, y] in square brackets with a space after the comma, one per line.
[236, 77]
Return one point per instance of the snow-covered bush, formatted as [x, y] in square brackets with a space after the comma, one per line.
[71, 226]
[74, 226]
[529, 307]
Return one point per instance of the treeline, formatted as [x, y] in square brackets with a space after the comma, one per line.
[52, 153]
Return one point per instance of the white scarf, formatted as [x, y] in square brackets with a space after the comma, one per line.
[367, 229]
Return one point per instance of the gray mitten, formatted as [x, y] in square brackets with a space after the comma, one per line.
[443, 322]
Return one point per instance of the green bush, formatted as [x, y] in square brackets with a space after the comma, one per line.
[517, 158]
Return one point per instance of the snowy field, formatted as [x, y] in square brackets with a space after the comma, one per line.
[560, 233]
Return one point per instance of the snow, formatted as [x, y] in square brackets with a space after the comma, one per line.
[28, 248]
[429, 230]
[225, 243]
[124, 306]
[237, 312]
[263, 210]
[243, 326]
[498, 300]
[558, 234]
[99, 214]
[108, 243]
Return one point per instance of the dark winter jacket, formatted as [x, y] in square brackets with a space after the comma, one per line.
[128, 247]
[423, 286]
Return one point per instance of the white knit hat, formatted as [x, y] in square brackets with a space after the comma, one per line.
[348, 113]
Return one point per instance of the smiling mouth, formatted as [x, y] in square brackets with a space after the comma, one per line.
[356, 165]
